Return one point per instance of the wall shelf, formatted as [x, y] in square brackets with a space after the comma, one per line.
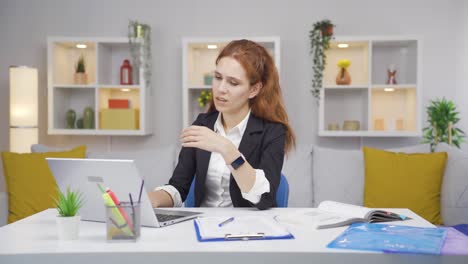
[198, 60]
[103, 58]
[382, 110]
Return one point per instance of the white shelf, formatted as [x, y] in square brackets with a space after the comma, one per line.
[91, 86]
[380, 112]
[200, 87]
[104, 57]
[346, 87]
[96, 132]
[198, 60]
[366, 133]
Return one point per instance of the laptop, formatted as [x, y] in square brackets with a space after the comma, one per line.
[122, 177]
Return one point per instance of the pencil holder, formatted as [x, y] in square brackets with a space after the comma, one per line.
[123, 222]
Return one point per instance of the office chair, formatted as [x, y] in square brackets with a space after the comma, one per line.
[282, 195]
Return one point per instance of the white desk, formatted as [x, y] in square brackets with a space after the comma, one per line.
[34, 240]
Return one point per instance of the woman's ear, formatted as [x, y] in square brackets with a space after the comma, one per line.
[255, 89]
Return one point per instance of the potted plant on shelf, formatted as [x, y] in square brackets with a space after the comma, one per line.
[204, 100]
[68, 219]
[320, 36]
[80, 76]
[343, 77]
[442, 117]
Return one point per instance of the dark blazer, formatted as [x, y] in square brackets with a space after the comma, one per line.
[263, 147]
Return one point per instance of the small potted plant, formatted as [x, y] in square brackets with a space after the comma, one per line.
[343, 77]
[442, 117]
[68, 220]
[320, 36]
[204, 99]
[80, 76]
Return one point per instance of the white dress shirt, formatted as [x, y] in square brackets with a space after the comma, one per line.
[218, 175]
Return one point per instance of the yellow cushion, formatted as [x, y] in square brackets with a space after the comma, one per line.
[399, 180]
[30, 185]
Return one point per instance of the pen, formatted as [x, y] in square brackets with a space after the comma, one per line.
[131, 202]
[141, 190]
[229, 220]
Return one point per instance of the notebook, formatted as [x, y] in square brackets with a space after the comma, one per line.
[239, 228]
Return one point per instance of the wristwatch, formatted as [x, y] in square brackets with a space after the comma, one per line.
[237, 163]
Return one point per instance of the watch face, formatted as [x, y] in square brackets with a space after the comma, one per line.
[238, 162]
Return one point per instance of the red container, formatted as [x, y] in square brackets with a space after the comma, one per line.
[119, 103]
[126, 73]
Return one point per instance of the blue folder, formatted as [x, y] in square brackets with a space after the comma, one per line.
[391, 238]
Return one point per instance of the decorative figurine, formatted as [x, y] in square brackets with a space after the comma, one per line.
[391, 72]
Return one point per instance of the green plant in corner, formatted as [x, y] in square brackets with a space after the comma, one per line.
[442, 117]
[320, 36]
[68, 203]
[80, 66]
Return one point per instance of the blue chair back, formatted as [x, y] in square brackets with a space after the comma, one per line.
[282, 195]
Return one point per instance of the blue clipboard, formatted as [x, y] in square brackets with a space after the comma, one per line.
[243, 237]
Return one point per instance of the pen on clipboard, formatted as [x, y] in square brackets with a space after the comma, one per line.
[229, 220]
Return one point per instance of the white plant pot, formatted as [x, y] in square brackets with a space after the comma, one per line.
[68, 227]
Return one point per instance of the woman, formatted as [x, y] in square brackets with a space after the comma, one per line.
[245, 133]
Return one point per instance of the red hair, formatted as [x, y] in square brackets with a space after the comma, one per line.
[259, 66]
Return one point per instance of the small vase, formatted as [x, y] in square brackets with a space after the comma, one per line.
[79, 123]
[70, 118]
[80, 78]
[343, 77]
[68, 228]
[88, 118]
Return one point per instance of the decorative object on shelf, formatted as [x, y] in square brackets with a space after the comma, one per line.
[79, 123]
[320, 36]
[80, 76]
[70, 118]
[333, 126]
[126, 73]
[379, 124]
[68, 220]
[400, 124]
[139, 37]
[204, 99]
[118, 103]
[391, 74]
[343, 77]
[88, 118]
[442, 118]
[23, 108]
[351, 125]
[208, 78]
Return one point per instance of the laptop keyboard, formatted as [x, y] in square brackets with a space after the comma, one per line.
[165, 217]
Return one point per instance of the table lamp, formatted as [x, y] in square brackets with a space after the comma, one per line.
[23, 108]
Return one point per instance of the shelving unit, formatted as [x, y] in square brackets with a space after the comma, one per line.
[199, 60]
[382, 110]
[103, 57]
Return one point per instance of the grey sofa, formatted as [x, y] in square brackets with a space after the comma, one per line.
[314, 174]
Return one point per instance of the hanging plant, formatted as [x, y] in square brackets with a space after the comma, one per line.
[320, 36]
[442, 117]
[139, 37]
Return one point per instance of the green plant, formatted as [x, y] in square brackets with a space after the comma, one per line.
[80, 66]
[442, 117]
[204, 98]
[68, 203]
[320, 36]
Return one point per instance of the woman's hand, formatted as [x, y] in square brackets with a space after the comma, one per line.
[204, 138]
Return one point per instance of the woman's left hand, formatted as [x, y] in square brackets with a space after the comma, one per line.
[204, 138]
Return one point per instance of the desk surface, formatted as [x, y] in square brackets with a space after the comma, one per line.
[35, 239]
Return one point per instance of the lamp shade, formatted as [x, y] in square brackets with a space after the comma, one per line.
[23, 108]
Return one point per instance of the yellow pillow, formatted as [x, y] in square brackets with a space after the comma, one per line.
[399, 180]
[30, 185]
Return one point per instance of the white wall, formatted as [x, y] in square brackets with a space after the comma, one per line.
[24, 26]
[461, 40]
